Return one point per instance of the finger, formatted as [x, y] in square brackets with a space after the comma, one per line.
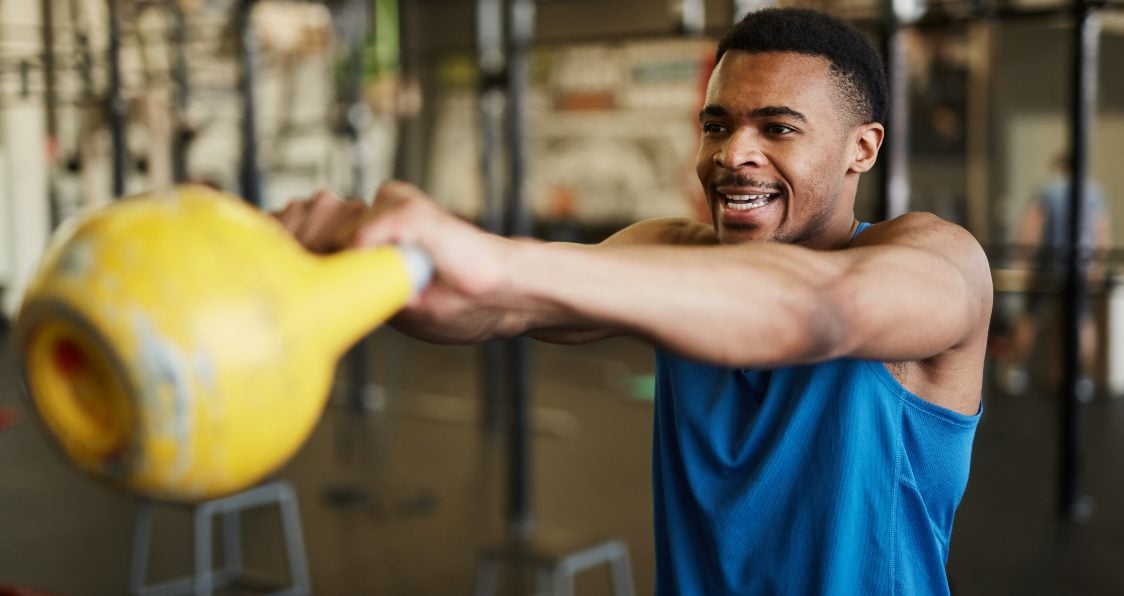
[331, 225]
[294, 214]
[291, 215]
[314, 226]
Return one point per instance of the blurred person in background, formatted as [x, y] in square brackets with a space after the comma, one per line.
[1043, 239]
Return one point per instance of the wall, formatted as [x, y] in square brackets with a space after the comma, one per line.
[1031, 112]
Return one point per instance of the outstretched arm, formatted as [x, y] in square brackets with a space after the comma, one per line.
[907, 290]
[469, 262]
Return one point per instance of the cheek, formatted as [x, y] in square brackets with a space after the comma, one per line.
[813, 179]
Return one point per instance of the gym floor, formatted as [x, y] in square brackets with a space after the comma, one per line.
[425, 487]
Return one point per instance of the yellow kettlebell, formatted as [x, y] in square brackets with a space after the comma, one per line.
[181, 345]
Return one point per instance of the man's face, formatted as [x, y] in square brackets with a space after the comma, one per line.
[777, 150]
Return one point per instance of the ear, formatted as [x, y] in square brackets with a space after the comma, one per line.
[868, 140]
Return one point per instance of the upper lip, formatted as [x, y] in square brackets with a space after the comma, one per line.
[745, 185]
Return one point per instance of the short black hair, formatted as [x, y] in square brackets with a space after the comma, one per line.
[854, 61]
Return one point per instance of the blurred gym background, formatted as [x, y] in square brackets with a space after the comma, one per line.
[575, 117]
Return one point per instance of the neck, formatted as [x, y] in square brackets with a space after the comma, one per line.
[836, 234]
[851, 233]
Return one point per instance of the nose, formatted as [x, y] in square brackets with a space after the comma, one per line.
[742, 148]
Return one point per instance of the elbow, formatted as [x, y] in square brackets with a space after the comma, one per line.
[814, 324]
[822, 331]
[799, 330]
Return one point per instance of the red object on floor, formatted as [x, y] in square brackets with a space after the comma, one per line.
[7, 419]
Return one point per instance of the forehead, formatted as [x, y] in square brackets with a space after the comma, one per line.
[748, 80]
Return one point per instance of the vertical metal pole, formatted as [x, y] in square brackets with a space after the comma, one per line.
[116, 101]
[895, 174]
[520, 515]
[978, 130]
[250, 172]
[410, 142]
[355, 23]
[82, 47]
[183, 133]
[90, 106]
[1086, 39]
[520, 29]
[361, 354]
[50, 97]
[492, 62]
[517, 222]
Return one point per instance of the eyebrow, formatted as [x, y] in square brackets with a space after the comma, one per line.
[763, 112]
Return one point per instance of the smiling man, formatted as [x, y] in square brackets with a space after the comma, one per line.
[818, 378]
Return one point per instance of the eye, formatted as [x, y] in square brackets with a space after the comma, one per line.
[711, 128]
[779, 129]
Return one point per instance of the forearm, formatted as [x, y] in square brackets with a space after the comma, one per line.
[568, 327]
[738, 305]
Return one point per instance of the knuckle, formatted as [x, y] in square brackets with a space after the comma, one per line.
[354, 206]
[292, 215]
[286, 213]
[324, 199]
[397, 192]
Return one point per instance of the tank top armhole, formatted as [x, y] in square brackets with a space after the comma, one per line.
[919, 403]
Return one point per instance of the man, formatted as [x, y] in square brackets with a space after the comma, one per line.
[1044, 229]
[818, 381]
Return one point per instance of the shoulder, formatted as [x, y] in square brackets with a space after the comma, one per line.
[943, 242]
[664, 230]
[950, 277]
[926, 231]
[915, 227]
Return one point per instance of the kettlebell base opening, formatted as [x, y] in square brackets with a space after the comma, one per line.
[77, 388]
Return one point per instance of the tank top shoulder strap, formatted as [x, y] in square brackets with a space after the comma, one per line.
[863, 225]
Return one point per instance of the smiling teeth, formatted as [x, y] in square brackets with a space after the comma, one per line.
[745, 202]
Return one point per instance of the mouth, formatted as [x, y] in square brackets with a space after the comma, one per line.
[748, 201]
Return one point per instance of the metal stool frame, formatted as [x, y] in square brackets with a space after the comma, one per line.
[206, 579]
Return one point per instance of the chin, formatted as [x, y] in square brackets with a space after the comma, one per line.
[730, 235]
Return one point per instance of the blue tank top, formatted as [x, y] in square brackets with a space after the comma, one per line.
[829, 478]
